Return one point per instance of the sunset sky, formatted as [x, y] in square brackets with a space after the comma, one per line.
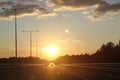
[72, 26]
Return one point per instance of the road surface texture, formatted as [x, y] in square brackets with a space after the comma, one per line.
[82, 71]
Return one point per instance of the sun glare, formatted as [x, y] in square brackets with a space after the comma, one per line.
[51, 50]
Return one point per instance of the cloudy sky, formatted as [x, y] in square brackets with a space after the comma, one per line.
[75, 26]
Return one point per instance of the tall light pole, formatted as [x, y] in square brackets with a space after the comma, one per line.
[15, 17]
[37, 45]
[36, 48]
[16, 34]
[31, 40]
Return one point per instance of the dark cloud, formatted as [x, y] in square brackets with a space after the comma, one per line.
[101, 7]
[75, 4]
[101, 11]
[24, 9]
[111, 8]
[27, 0]
[5, 3]
[98, 8]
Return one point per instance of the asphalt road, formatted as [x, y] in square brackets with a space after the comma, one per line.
[60, 72]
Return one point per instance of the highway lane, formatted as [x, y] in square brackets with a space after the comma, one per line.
[98, 71]
[60, 72]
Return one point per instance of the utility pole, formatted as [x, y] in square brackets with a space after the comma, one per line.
[31, 40]
[16, 49]
[36, 47]
[15, 17]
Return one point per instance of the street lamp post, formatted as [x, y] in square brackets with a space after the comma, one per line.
[37, 45]
[31, 41]
[15, 34]
[15, 14]
[36, 48]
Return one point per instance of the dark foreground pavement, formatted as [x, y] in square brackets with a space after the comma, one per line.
[60, 72]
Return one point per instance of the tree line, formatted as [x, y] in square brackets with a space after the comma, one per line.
[23, 60]
[107, 53]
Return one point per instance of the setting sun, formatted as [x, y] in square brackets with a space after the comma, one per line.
[51, 50]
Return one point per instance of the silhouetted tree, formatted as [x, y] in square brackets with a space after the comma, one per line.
[109, 53]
